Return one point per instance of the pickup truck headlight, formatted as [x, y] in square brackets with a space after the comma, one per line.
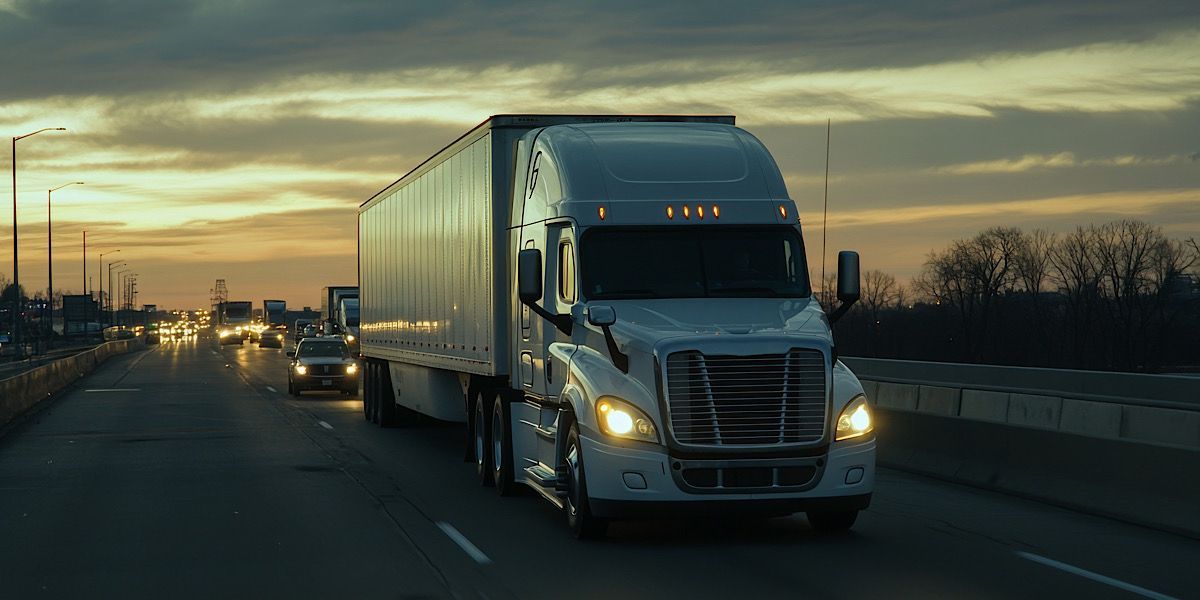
[301, 369]
[621, 419]
[351, 369]
[855, 420]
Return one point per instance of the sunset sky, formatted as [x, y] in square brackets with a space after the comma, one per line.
[235, 139]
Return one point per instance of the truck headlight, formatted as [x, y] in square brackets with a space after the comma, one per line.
[855, 420]
[301, 369]
[621, 419]
[351, 369]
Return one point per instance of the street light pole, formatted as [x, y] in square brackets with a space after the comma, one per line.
[16, 316]
[120, 293]
[50, 263]
[100, 267]
[111, 289]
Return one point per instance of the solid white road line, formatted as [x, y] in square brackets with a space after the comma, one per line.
[458, 538]
[1129, 587]
[273, 390]
[114, 390]
[324, 424]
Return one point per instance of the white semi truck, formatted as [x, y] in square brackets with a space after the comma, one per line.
[619, 309]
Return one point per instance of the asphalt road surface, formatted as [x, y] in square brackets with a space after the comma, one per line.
[187, 471]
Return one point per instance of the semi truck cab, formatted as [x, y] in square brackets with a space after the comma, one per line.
[665, 317]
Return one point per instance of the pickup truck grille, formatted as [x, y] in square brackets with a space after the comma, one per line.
[766, 399]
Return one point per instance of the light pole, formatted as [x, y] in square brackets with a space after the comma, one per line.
[111, 289]
[50, 263]
[100, 267]
[16, 333]
[121, 280]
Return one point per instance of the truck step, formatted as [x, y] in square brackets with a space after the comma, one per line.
[551, 482]
[548, 433]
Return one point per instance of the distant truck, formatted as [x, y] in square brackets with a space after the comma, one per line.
[274, 312]
[332, 309]
[628, 293]
[233, 321]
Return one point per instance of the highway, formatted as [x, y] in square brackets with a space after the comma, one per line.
[186, 470]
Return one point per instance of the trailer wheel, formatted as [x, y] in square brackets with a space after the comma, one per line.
[502, 452]
[583, 524]
[483, 440]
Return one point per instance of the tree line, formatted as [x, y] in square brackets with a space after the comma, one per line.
[1115, 296]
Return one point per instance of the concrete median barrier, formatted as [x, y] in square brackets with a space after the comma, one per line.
[1063, 437]
[22, 392]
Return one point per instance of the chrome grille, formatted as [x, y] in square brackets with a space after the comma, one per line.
[740, 400]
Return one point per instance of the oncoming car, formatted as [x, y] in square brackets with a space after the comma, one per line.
[322, 363]
[271, 338]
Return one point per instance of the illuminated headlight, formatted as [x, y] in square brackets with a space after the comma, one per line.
[855, 420]
[621, 419]
[349, 338]
[224, 333]
[301, 369]
[351, 369]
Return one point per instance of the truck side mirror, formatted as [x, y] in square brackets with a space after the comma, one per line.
[848, 287]
[529, 275]
[602, 315]
[848, 277]
[291, 354]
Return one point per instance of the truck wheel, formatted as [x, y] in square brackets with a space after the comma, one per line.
[483, 440]
[832, 521]
[502, 454]
[579, 513]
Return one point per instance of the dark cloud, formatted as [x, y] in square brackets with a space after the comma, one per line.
[80, 47]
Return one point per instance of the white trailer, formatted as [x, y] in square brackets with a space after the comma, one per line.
[628, 293]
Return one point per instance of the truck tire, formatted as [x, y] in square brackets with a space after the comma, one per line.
[832, 521]
[580, 520]
[481, 427]
[502, 452]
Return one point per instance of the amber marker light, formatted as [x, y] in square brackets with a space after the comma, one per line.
[782, 211]
[670, 212]
[603, 213]
[700, 211]
[687, 213]
[716, 212]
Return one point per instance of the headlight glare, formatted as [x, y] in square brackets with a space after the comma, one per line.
[621, 419]
[349, 338]
[855, 420]
[351, 369]
[301, 369]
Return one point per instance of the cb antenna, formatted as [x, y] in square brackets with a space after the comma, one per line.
[825, 219]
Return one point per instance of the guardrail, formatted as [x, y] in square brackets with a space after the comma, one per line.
[1118, 444]
[22, 392]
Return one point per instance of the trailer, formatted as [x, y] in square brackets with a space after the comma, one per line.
[625, 292]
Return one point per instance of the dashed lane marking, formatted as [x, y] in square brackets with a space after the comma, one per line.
[1098, 578]
[273, 390]
[458, 538]
[325, 425]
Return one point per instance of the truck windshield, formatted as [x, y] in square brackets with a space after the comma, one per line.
[237, 312]
[693, 262]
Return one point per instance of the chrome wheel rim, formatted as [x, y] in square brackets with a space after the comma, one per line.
[479, 432]
[572, 459]
[497, 441]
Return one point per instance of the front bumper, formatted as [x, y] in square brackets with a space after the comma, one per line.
[325, 382]
[616, 476]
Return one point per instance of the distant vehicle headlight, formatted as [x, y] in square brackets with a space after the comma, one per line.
[351, 369]
[301, 369]
[621, 419]
[855, 420]
[349, 338]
